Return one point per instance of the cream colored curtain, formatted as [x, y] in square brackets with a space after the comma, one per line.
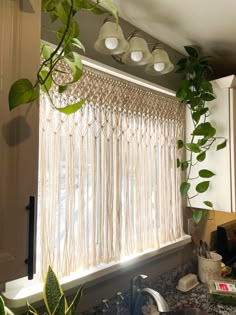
[108, 183]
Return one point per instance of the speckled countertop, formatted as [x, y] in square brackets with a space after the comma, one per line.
[166, 286]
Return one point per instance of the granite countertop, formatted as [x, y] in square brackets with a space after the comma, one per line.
[166, 286]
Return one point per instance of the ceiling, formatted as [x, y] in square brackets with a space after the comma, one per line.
[207, 24]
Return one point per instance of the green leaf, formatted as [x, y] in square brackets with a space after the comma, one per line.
[111, 7]
[52, 291]
[182, 94]
[75, 64]
[185, 84]
[21, 92]
[196, 116]
[207, 86]
[76, 42]
[2, 306]
[48, 83]
[202, 141]
[47, 50]
[208, 204]
[72, 308]
[180, 144]
[205, 173]
[202, 187]
[178, 163]
[201, 157]
[184, 188]
[195, 102]
[184, 165]
[221, 145]
[31, 310]
[63, 88]
[194, 147]
[191, 51]
[197, 215]
[53, 16]
[62, 11]
[182, 62]
[61, 306]
[204, 129]
[208, 97]
[71, 109]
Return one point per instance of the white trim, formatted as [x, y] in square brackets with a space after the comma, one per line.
[22, 290]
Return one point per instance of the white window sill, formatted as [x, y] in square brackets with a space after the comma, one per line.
[22, 290]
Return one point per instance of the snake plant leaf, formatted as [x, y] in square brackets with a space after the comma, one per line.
[31, 310]
[184, 188]
[202, 187]
[71, 109]
[2, 306]
[208, 204]
[52, 291]
[61, 306]
[206, 173]
[201, 157]
[72, 308]
[21, 92]
[197, 215]
[221, 145]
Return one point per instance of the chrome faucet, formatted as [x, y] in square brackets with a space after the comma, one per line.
[138, 296]
[136, 284]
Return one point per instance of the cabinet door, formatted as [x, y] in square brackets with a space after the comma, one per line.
[19, 58]
[220, 162]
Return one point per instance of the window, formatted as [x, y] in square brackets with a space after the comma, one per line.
[108, 183]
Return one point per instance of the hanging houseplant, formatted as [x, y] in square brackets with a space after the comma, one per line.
[23, 90]
[196, 92]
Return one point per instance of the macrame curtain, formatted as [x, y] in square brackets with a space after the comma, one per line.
[108, 182]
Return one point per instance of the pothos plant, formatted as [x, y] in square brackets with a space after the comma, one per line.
[196, 92]
[54, 299]
[23, 90]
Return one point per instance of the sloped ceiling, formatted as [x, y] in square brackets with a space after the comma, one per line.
[208, 24]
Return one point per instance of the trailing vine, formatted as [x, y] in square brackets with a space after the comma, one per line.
[24, 91]
[196, 92]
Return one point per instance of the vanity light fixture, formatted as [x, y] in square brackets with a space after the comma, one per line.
[111, 40]
[161, 63]
[134, 51]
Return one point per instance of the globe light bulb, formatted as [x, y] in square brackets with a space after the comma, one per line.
[159, 66]
[111, 43]
[136, 55]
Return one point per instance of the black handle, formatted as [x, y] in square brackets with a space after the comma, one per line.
[30, 260]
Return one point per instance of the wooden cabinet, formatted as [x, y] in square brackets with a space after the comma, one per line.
[223, 116]
[19, 58]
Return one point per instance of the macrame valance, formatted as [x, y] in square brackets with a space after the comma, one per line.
[102, 89]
